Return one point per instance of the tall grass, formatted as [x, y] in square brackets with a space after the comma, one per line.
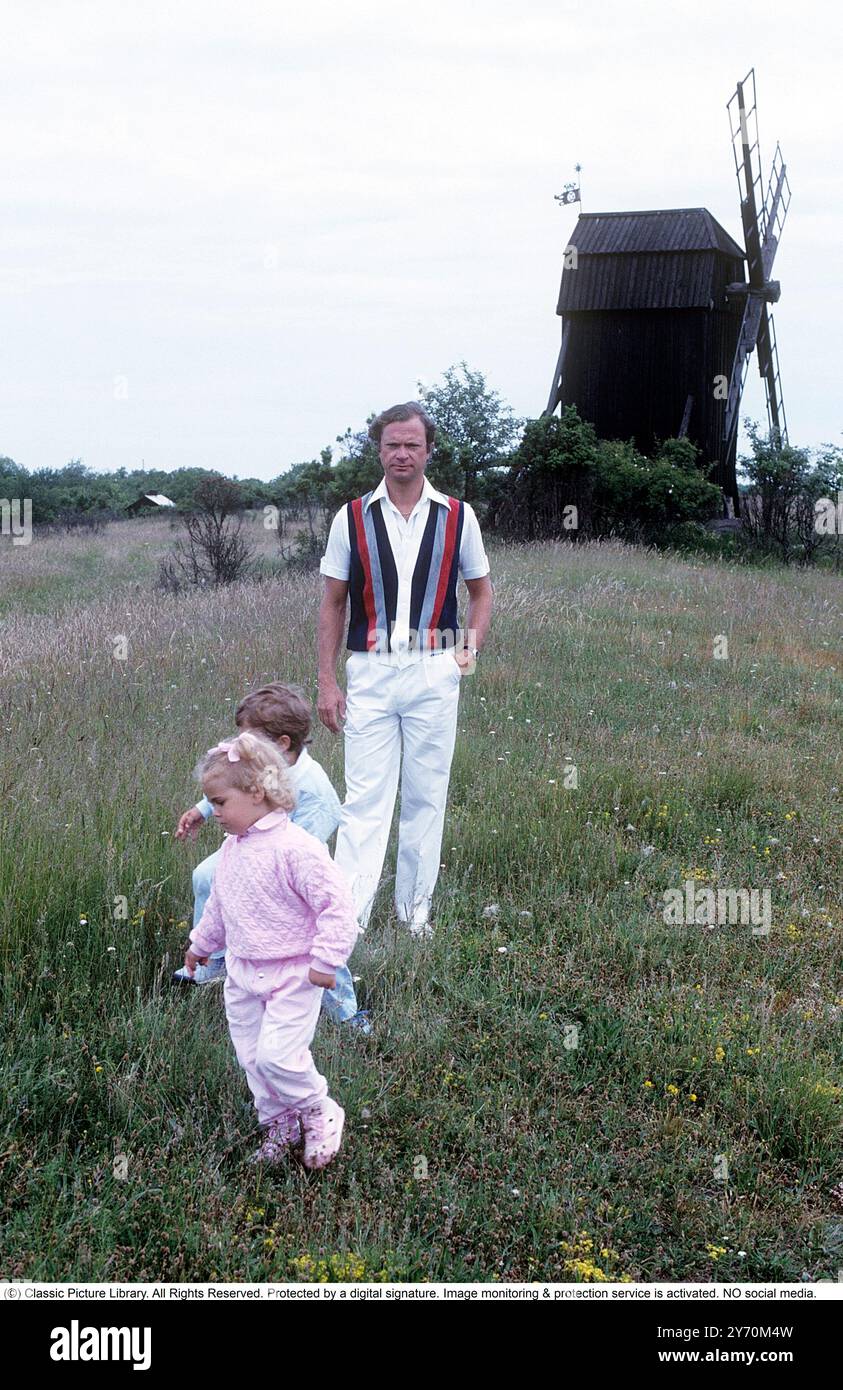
[559, 1085]
[62, 568]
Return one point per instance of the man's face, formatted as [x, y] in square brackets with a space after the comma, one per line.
[403, 451]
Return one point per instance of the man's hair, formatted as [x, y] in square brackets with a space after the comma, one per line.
[398, 413]
[277, 710]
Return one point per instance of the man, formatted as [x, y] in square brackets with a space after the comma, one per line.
[396, 554]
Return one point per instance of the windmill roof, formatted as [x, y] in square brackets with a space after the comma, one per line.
[666, 259]
[670, 229]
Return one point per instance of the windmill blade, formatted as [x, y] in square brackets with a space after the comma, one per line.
[743, 121]
[746, 344]
[764, 345]
[777, 204]
[763, 218]
[768, 367]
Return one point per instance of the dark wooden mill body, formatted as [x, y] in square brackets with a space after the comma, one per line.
[659, 318]
[647, 326]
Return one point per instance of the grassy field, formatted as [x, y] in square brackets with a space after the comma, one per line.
[560, 1085]
[83, 568]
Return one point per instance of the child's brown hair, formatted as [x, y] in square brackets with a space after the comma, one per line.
[277, 709]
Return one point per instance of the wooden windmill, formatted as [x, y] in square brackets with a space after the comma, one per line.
[659, 319]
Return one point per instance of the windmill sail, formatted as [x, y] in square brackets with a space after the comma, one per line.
[763, 218]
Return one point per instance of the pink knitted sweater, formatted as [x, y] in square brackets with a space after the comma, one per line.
[276, 893]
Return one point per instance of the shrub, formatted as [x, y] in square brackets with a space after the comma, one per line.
[779, 510]
[561, 465]
[213, 551]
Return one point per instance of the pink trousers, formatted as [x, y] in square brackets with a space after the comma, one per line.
[272, 1011]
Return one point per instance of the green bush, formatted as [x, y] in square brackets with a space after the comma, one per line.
[564, 480]
[786, 487]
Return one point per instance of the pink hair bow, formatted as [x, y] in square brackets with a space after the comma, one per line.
[227, 747]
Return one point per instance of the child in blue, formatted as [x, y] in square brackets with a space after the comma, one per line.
[282, 714]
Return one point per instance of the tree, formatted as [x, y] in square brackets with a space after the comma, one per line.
[777, 474]
[564, 481]
[552, 469]
[304, 493]
[213, 550]
[477, 428]
[12, 474]
[358, 469]
[786, 484]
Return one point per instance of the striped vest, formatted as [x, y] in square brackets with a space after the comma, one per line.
[373, 581]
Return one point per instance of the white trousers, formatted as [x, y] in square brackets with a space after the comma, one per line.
[390, 709]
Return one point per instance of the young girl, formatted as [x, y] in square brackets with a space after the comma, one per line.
[283, 910]
[283, 714]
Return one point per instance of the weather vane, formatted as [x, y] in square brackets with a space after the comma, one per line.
[571, 192]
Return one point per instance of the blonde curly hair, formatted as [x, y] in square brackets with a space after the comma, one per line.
[257, 765]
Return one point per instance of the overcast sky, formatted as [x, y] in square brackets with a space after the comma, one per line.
[230, 231]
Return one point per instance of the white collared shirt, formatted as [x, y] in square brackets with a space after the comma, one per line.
[405, 538]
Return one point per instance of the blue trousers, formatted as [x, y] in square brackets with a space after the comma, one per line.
[339, 1003]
